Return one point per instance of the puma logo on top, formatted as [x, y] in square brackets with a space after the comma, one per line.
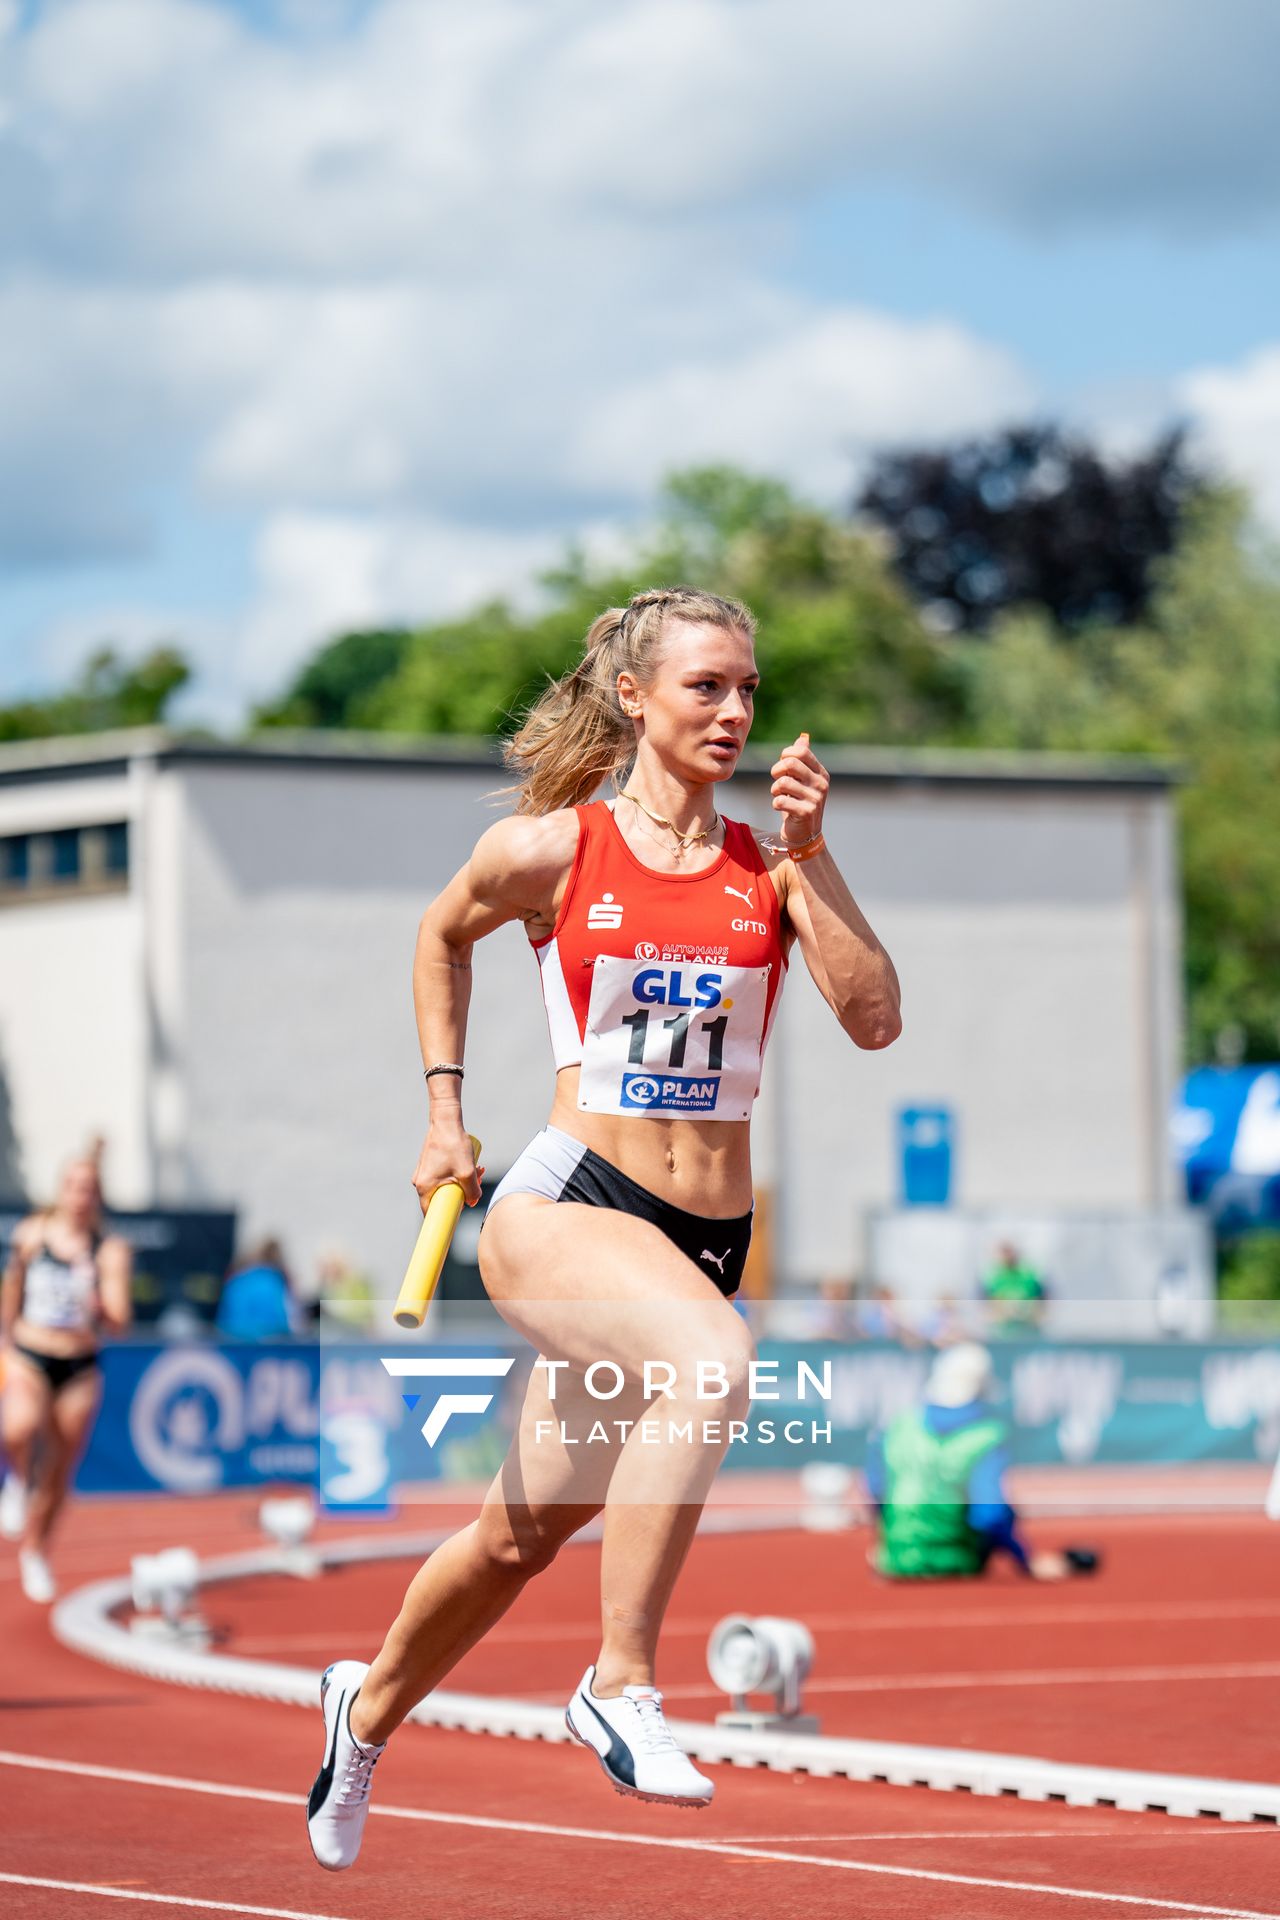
[744, 897]
[717, 1259]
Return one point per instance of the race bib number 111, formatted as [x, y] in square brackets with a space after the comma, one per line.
[672, 1038]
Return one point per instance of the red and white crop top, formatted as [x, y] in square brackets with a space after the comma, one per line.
[662, 987]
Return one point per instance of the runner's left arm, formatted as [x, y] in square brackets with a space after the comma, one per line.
[115, 1274]
[851, 968]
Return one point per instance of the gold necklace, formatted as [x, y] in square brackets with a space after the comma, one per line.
[677, 853]
[684, 840]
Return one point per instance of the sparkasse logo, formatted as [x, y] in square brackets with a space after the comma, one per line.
[604, 913]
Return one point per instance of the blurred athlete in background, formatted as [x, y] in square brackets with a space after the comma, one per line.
[66, 1283]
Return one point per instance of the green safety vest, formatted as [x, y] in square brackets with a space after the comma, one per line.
[1013, 1283]
[1019, 1291]
[925, 1531]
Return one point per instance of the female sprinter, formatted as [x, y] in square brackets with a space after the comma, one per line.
[661, 931]
[64, 1283]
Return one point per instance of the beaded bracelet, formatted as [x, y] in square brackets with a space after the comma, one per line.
[443, 1066]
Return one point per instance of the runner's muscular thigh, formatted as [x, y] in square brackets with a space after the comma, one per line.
[588, 1283]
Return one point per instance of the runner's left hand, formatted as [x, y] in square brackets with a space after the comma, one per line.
[800, 783]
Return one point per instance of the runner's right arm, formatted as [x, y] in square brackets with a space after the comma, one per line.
[513, 874]
[13, 1281]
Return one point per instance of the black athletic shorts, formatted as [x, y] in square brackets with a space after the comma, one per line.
[561, 1168]
[59, 1369]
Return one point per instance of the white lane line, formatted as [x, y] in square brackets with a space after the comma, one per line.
[1028, 1677]
[609, 1837]
[159, 1899]
[1206, 1830]
[250, 1643]
[536, 1632]
[132, 1777]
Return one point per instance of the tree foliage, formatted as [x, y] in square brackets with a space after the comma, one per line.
[1198, 682]
[845, 651]
[108, 692]
[842, 634]
[1030, 517]
[336, 686]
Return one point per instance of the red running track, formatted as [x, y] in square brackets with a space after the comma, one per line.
[473, 1825]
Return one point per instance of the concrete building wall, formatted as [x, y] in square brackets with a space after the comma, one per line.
[302, 889]
[246, 1009]
[71, 1041]
[1031, 1007]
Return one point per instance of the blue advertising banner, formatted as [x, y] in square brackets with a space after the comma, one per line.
[201, 1417]
[194, 1419]
[1227, 1134]
[1111, 1404]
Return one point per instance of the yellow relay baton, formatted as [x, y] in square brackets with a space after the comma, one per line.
[422, 1275]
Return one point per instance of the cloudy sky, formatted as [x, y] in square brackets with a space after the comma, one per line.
[315, 312]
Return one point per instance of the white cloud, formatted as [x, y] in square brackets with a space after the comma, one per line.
[415, 292]
[105, 393]
[1237, 412]
[807, 405]
[319, 574]
[316, 575]
[161, 135]
[401, 400]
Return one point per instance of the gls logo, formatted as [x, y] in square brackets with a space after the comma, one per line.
[434, 1424]
[652, 988]
[604, 913]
